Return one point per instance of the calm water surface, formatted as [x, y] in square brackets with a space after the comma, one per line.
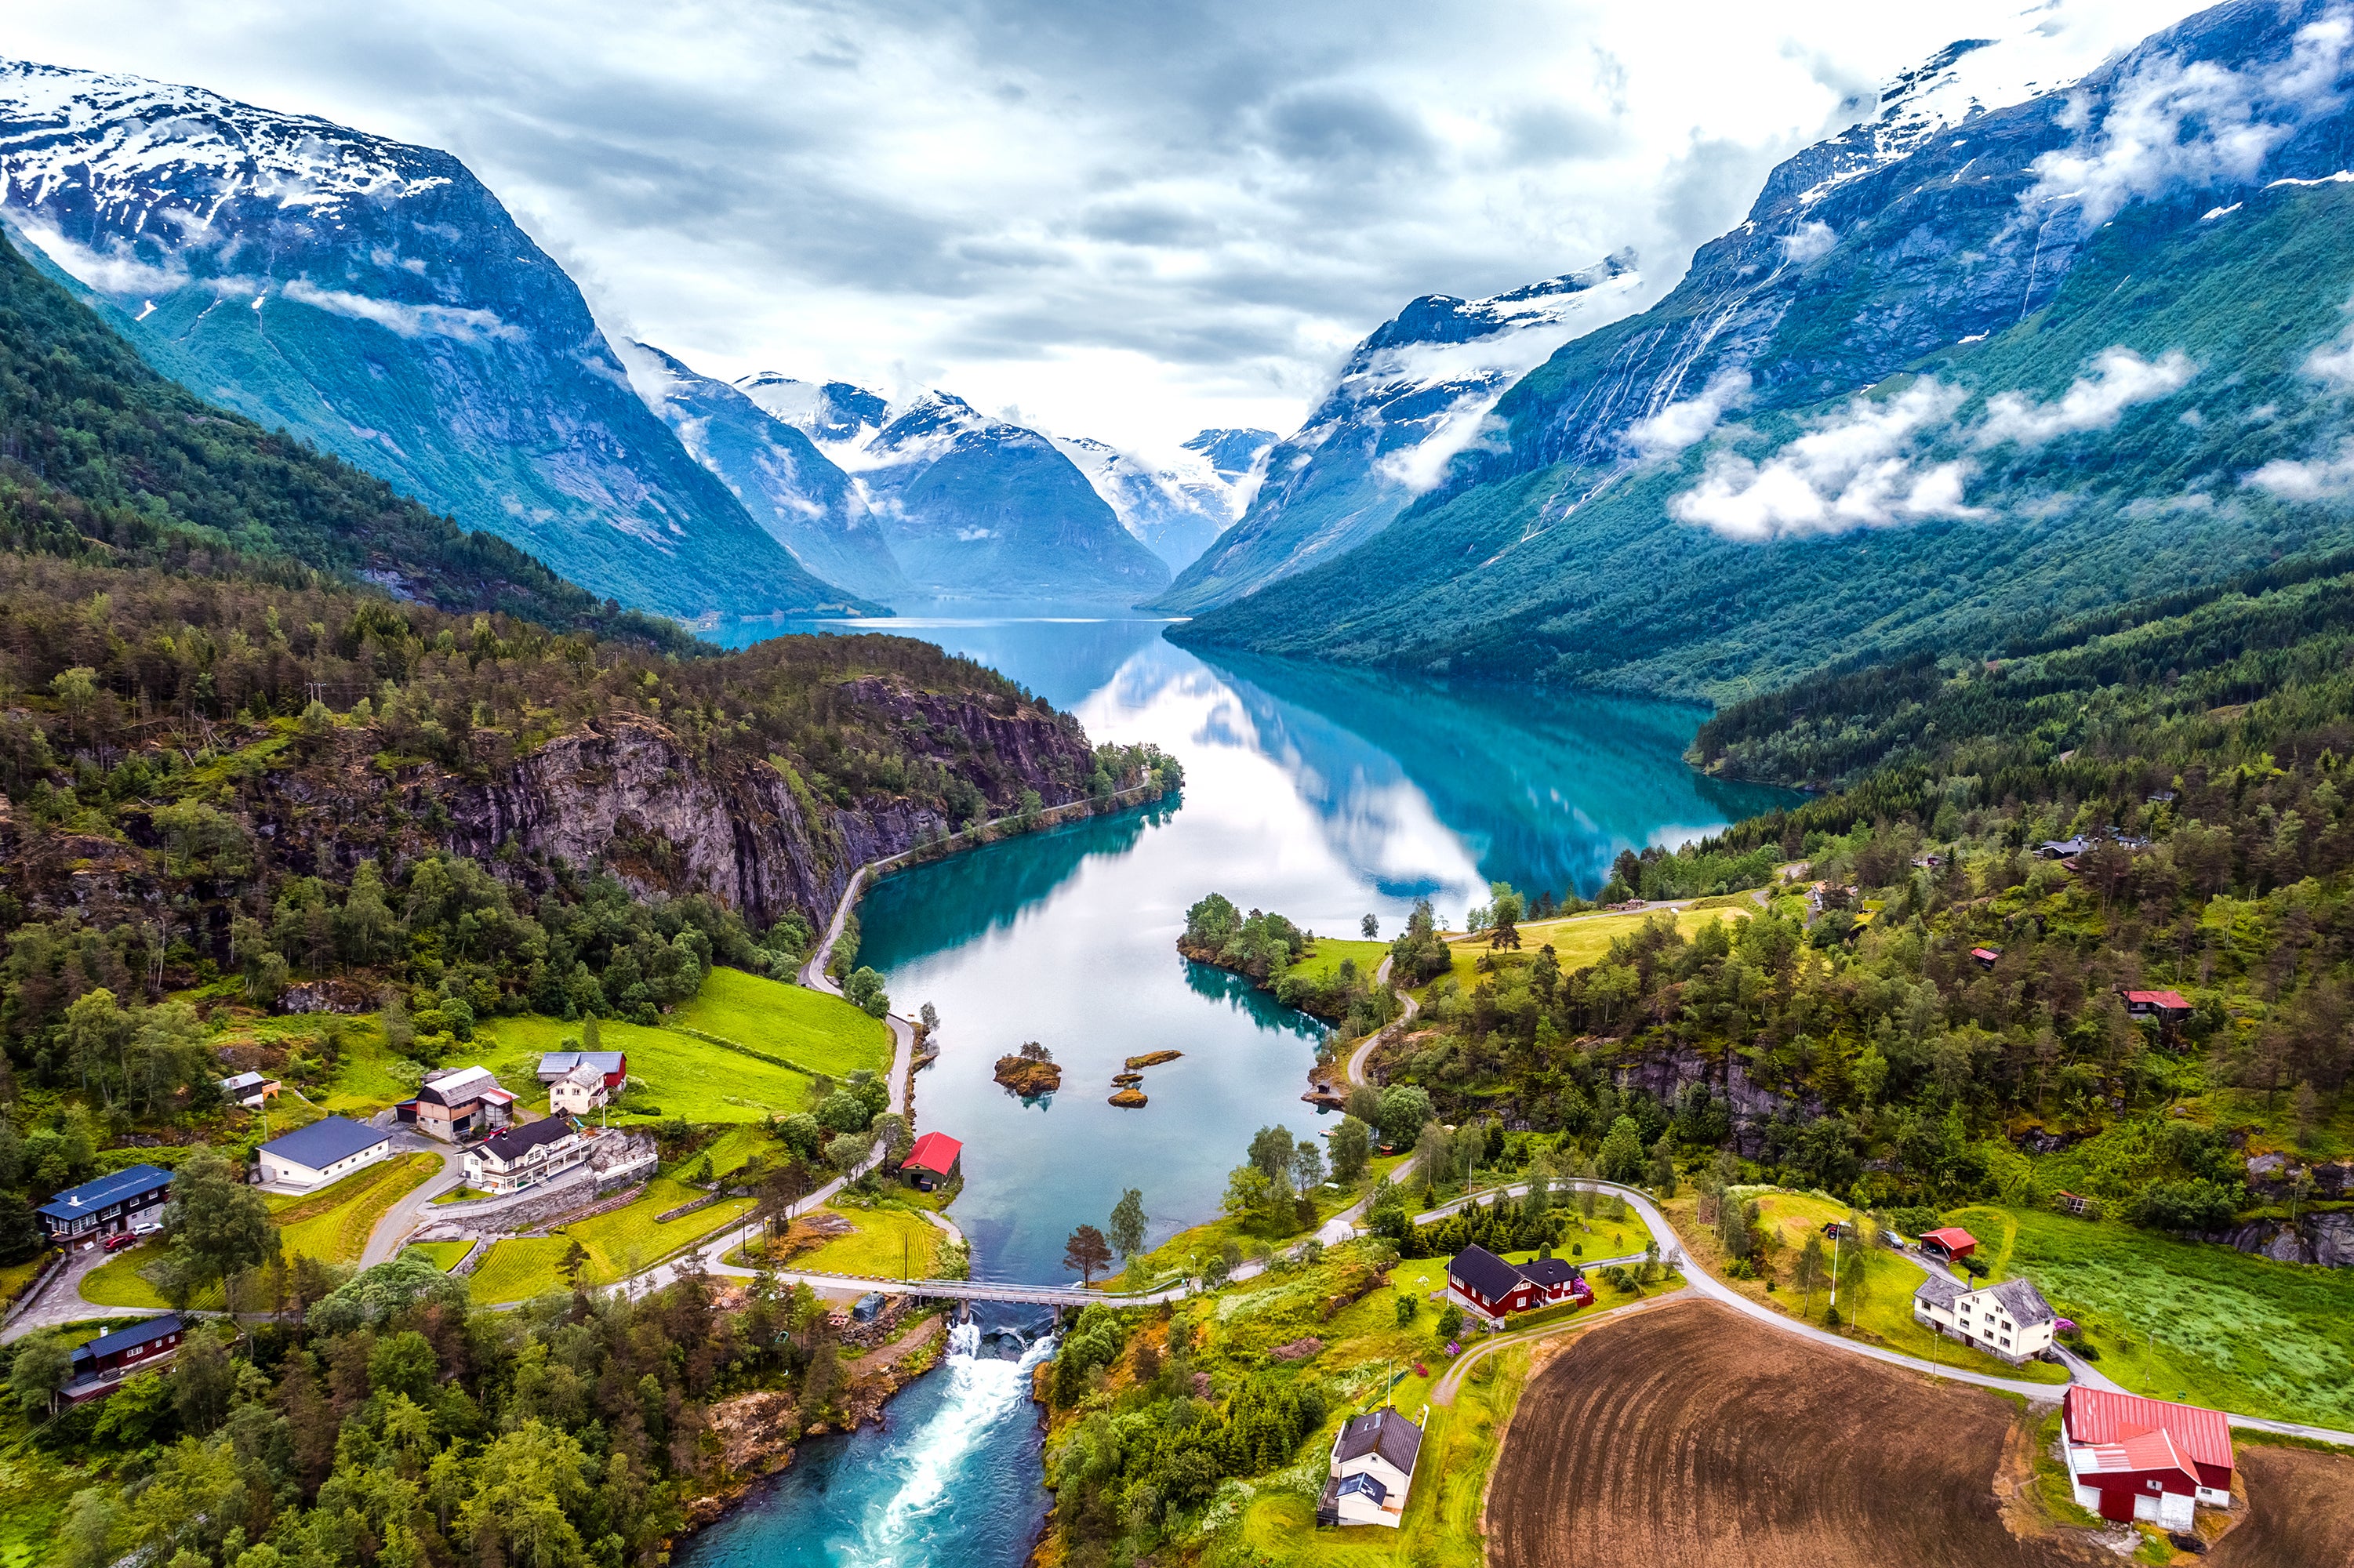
[1326, 795]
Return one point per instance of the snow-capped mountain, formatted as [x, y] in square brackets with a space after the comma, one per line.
[1178, 509]
[974, 507]
[2024, 342]
[1411, 397]
[807, 504]
[376, 299]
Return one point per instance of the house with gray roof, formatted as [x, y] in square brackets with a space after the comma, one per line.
[2010, 1320]
[1371, 1470]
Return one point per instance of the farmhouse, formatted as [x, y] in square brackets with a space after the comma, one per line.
[933, 1162]
[321, 1152]
[1952, 1244]
[1487, 1286]
[456, 1103]
[580, 1091]
[131, 1196]
[2011, 1320]
[526, 1156]
[2133, 1459]
[1371, 1470]
[99, 1366]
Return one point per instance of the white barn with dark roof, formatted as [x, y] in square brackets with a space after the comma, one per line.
[326, 1150]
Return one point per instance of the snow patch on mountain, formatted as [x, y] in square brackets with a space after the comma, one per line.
[1175, 509]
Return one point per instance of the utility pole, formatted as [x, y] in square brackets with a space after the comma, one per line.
[1835, 1246]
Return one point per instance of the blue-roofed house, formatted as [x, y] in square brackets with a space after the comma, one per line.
[131, 1196]
[326, 1150]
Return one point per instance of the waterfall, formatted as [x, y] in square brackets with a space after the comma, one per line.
[984, 1392]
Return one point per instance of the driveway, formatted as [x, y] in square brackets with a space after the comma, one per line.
[60, 1303]
[385, 1241]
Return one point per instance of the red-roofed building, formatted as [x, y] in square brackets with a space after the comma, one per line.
[2166, 1006]
[1986, 955]
[1951, 1243]
[2145, 1458]
[933, 1162]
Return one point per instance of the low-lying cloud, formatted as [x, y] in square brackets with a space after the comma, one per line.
[465, 324]
[1683, 424]
[2120, 379]
[2321, 479]
[1856, 471]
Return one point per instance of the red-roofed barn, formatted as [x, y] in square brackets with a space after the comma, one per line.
[2145, 1458]
[2166, 1006]
[933, 1162]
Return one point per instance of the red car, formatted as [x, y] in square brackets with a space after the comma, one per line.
[120, 1240]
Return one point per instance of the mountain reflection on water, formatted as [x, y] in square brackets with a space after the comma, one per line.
[1327, 795]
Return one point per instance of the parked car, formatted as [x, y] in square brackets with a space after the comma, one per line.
[122, 1239]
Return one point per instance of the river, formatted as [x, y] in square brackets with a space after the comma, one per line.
[1326, 795]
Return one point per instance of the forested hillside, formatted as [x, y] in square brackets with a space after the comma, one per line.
[1944, 1021]
[101, 458]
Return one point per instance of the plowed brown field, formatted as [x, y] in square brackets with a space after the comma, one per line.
[1693, 1437]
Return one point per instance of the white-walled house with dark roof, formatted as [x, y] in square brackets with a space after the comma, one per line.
[1371, 1470]
[2011, 1320]
[326, 1150]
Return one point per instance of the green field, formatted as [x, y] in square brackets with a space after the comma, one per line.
[808, 1028]
[686, 1076]
[875, 1247]
[2234, 1332]
[619, 1243]
[444, 1256]
[1578, 941]
[331, 1224]
[1324, 959]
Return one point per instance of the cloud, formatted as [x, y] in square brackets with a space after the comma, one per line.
[456, 322]
[2169, 124]
[1856, 470]
[108, 272]
[2120, 379]
[1812, 240]
[2323, 479]
[1679, 425]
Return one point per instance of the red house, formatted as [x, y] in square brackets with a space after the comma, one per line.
[1480, 1282]
[1953, 1244]
[2145, 1458]
[1986, 955]
[932, 1161]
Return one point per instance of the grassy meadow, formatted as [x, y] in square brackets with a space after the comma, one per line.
[2234, 1332]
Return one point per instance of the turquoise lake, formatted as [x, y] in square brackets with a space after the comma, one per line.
[1326, 795]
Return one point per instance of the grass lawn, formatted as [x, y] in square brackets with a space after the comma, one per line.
[1204, 1241]
[16, 1276]
[686, 1076]
[363, 1081]
[619, 1242]
[444, 1256]
[876, 1247]
[1325, 960]
[332, 1223]
[1578, 942]
[2234, 1332]
[808, 1028]
[731, 1149]
[1883, 1317]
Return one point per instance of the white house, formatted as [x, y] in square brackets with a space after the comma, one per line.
[580, 1091]
[526, 1156]
[2011, 1320]
[1371, 1470]
[326, 1150]
[2134, 1458]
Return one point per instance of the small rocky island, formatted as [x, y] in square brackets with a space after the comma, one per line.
[1029, 1072]
[1128, 1096]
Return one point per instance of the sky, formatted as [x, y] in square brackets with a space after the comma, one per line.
[1125, 220]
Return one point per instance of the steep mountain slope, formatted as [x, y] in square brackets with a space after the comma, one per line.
[790, 488]
[974, 508]
[2040, 359]
[1175, 510]
[102, 458]
[376, 299]
[1412, 396]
